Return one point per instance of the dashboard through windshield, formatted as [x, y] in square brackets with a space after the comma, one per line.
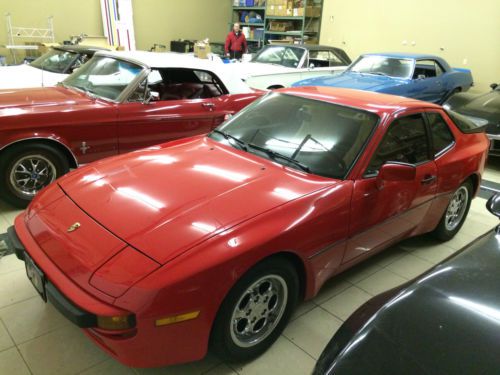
[305, 134]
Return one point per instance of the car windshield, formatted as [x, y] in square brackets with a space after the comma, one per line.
[384, 66]
[305, 134]
[281, 55]
[104, 77]
[55, 61]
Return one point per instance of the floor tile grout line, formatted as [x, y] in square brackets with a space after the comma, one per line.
[17, 302]
[91, 367]
[44, 334]
[17, 347]
[286, 338]
[332, 314]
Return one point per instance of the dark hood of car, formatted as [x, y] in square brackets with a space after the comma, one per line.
[445, 322]
[485, 106]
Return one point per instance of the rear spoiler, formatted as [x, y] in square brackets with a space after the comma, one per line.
[467, 124]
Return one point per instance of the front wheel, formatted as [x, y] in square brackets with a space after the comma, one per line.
[255, 311]
[26, 169]
[456, 213]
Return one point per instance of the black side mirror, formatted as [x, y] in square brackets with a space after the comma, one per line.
[493, 205]
[494, 86]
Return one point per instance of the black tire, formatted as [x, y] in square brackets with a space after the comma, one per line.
[222, 342]
[445, 231]
[9, 159]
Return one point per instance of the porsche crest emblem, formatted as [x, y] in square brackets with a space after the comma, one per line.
[73, 227]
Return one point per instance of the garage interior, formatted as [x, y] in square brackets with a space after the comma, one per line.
[36, 339]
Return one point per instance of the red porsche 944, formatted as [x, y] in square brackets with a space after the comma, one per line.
[211, 241]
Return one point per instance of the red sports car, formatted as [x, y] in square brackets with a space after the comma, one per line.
[211, 241]
[116, 103]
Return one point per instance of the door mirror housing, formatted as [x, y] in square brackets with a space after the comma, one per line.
[152, 96]
[493, 205]
[395, 172]
[421, 76]
[494, 86]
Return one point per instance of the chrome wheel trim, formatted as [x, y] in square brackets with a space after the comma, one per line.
[456, 209]
[30, 173]
[258, 311]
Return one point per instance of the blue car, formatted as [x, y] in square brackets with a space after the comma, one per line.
[423, 77]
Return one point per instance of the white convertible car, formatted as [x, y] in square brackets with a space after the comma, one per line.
[48, 70]
[280, 65]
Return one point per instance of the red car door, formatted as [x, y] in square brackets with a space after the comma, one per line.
[184, 104]
[382, 215]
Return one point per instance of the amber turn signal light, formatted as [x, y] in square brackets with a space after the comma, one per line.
[177, 318]
[119, 322]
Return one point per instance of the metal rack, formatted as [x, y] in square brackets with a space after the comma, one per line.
[308, 26]
[14, 33]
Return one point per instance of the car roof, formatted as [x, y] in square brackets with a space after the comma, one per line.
[404, 55]
[365, 100]
[80, 48]
[164, 59]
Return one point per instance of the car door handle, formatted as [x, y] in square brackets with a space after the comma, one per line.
[209, 106]
[429, 179]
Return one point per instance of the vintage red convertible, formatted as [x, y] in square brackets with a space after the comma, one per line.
[210, 241]
[116, 103]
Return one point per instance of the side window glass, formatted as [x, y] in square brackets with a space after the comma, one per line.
[405, 142]
[441, 133]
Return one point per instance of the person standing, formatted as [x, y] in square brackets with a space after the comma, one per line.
[236, 43]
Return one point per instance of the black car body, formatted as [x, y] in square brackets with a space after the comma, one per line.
[446, 321]
[484, 110]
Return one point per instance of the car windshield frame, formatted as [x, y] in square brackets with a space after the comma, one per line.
[221, 134]
[40, 62]
[270, 47]
[92, 64]
[363, 57]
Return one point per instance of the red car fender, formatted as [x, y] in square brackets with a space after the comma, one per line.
[14, 137]
[201, 278]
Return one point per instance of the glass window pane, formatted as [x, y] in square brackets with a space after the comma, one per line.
[404, 142]
[441, 134]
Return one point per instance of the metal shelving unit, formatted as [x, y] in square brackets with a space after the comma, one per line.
[261, 10]
[306, 27]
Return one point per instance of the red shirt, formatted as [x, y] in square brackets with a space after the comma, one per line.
[235, 42]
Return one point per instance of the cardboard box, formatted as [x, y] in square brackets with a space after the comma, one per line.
[280, 26]
[312, 11]
[202, 50]
[298, 12]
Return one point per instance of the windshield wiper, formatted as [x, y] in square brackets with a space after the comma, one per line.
[241, 144]
[89, 93]
[379, 74]
[277, 155]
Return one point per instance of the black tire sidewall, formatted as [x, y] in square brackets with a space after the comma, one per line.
[10, 156]
[444, 234]
[221, 341]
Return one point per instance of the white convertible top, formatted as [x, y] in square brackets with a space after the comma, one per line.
[181, 60]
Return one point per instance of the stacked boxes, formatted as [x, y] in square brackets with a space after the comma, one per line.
[291, 8]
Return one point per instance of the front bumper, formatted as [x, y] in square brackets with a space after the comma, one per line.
[147, 346]
[66, 307]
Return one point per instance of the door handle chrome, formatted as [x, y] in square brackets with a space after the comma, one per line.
[210, 106]
[428, 180]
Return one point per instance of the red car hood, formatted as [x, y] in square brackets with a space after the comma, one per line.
[165, 200]
[42, 96]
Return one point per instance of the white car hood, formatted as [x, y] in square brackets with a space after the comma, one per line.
[24, 76]
[250, 69]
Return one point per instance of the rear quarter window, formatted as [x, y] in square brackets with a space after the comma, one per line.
[442, 138]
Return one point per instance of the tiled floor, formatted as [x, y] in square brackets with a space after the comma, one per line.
[36, 339]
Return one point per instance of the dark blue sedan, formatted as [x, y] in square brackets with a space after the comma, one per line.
[423, 77]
